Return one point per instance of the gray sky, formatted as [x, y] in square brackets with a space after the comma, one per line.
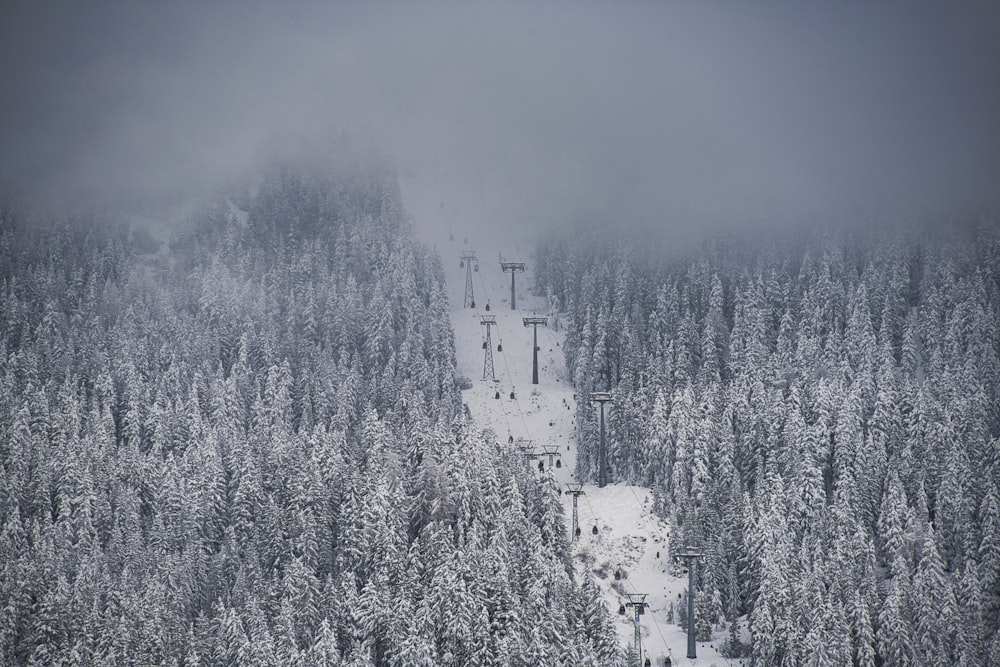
[666, 113]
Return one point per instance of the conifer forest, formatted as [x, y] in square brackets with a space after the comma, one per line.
[822, 420]
[257, 455]
[499, 334]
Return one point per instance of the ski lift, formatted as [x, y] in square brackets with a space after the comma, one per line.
[578, 531]
[473, 303]
[500, 346]
[647, 663]
[618, 575]
[475, 267]
[487, 306]
[621, 608]
[510, 438]
[594, 531]
[484, 344]
[541, 466]
[559, 463]
[461, 263]
[498, 394]
[642, 610]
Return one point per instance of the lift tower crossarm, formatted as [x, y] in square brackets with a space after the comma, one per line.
[513, 268]
[534, 322]
[551, 451]
[527, 449]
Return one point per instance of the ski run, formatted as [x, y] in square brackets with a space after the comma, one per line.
[631, 541]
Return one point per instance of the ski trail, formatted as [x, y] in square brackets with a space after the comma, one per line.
[629, 539]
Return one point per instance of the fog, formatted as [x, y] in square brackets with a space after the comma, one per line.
[675, 115]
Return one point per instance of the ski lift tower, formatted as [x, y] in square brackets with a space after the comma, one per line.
[602, 397]
[488, 321]
[534, 322]
[638, 602]
[468, 260]
[575, 489]
[690, 556]
[512, 267]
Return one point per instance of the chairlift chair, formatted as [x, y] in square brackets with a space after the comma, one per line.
[621, 608]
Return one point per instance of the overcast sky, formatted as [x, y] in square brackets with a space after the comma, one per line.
[667, 113]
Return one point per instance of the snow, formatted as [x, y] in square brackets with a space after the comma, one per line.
[629, 536]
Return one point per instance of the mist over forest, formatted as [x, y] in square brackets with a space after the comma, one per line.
[234, 428]
[675, 116]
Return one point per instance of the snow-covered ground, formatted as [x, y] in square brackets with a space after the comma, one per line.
[630, 538]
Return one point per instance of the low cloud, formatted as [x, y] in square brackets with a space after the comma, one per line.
[669, 114]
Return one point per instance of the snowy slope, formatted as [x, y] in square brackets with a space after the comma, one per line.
[630, 538]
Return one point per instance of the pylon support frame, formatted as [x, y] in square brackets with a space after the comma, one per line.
[468, 257]
[638, 602]
[488, 321]
[690, 556]
[534, 322]
[512, 267]
[575, 489]
[602, 397]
